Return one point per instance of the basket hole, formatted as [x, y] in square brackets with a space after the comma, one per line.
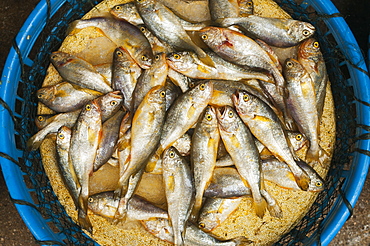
[53, 227]
[344, 70]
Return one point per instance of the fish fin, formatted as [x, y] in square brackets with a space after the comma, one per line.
[303, 180]
[272, 206]
[205, 58]
[319, 156]
[260, 206]
[84, 221]
[33, 144]
[241, 241]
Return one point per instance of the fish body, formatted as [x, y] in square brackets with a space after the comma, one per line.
[203, 156]
[63, 143]
[274, 31]
[240, 49]
[65, 97]
[172, 92]
[179, 79]
[188, 63]
[84, 143]
[311, 58]
[179, 189]
[163, 23]
[125, 73]
[78, 71]
[124, 34]
[215, 211]
[223, 8]
[301, 102]
[267, 128]
[240, 145]
[154, 76]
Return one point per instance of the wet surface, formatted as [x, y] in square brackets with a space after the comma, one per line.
[356, 230]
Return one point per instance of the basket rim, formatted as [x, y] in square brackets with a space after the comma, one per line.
[25, 40]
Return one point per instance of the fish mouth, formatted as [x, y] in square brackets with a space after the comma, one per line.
[235, 97]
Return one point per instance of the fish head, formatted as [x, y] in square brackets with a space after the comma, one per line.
[203, 90]
[317, 183]
[46, 93]
[128, 12]
[59, 58]
[209, 117]
[245, 103]
[122, 57]
[292, 69]
[297, 139]
[156, 95]
[43, 120]
[309, 49]
[246, 7]
[171, 158]
[103, 204]
[180, 61]
[226, 117]
[63, 136]
[110, 103]
[212, 36]
[301, 30]
[207, 222]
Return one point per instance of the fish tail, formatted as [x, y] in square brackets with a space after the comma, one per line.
[204, 57]
[241, 241]
[195, 211]
[84, 221]
[303, 180]
[316, 155]
[260, 206]
[279, 81]
[34, 142]
[272, 206]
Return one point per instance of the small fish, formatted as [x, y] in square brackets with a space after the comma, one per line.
[164, 24]
[179, 189]
[78, 71]
[109, 138]
[246, 8]
[84, 143]
[65, 97]
[240, 49]
[274, 31]
[239, 143]
[215, 211]
[43, 120]
[194, 236]
[155, 75]
[105, 204]
[179, 79]
[123, 34]
[188, 63]
[311, 58]
[63, 143]
[301, 102]
[125, 73]
[203, 155]
[172, 92]
[158, 46]
[220, 9]
[267, 128]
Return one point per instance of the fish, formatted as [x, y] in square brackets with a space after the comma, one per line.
[125, 73]
[242, 50]
[128, 12]
[182, 115]
[179, 79]
[105, 204]
[274, 31]
[301, 102]
[172, 92]
[146, 129]
[43, 120]
[65, 97]
[193, 11]
[220, 9]
[123, 34]
[84, 143]
[183, 144]
[164, 24]
[203, 155]
[109, 138]
[109, 104]
[246, 7]
[78, 71]
[63, 142]
[179, 190]
[215, 211]
[155, 75]
[239, 143]
[194, 236]
[267, 128]
[105, 69]
[311, 58]
[188, 63]
[158, 46]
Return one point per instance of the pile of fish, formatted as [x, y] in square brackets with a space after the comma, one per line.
[208, 105]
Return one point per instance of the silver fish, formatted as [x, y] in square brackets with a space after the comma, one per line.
[246, 7]
[179, 79]
[220, 9]
[79, 71]
[267, 128]
[124, 34]
[240, 145]
[43, 120]
[203, 155]
[274, 31]
[179, 189]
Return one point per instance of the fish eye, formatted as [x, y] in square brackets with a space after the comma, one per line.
[316, 44]
[91, 199]
[202, 225]
[40, 95]
[162, 94]
[119, 53]
[117, 7]
[208, 117]
[204, 37]
[176, 56]
[61, 136]
[88, 107]
[231, 114]
[157, 57]
[318, 184]
[306, 32]
[142, 29]
[113, 103]
[298, 137]
[172, 154]
[202, 87]
[246, 98]
[144, 58]
[191, 84]
[289, 64]
[54, 56]
[40, 118]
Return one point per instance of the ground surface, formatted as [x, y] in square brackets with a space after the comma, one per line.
[13, 231]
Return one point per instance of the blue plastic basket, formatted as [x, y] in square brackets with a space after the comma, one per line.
[43, 33]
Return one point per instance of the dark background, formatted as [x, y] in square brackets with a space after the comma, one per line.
[13, 231]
